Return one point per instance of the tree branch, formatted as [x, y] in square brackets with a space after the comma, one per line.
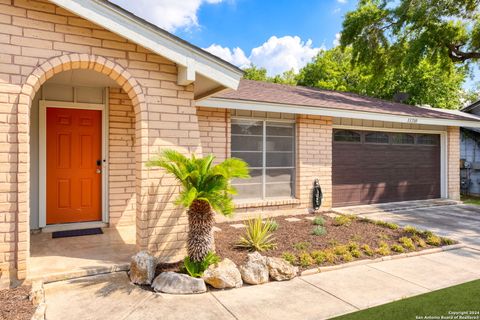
[457, 55]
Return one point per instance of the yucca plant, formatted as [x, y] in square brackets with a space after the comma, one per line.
[258, 236]
[205, 189]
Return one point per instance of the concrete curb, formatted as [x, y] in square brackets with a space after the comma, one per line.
[386, 258]
[54, 277]
[37, 297]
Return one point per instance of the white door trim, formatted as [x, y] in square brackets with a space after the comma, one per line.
[443, 149]
[42, 153]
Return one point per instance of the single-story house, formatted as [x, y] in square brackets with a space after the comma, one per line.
[89, 93]
[470, 155]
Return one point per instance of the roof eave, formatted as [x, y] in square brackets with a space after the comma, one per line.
[125, 24]
[331, 112]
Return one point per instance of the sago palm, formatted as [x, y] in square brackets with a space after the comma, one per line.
[204, 187]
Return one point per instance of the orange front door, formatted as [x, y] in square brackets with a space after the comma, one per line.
[74, 154]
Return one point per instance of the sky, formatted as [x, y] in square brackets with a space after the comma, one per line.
[277, 35]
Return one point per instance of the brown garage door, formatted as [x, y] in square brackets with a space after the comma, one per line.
[375, 167]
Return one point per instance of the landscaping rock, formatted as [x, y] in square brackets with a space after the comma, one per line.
[255, 270]
[280, 269]
[223, 275]
[177, 283]
[142, 268]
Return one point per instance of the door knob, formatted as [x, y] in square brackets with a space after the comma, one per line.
[99, 171]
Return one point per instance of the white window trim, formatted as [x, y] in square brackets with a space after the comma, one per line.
[42, 154]
[443, 149]
[264, 157]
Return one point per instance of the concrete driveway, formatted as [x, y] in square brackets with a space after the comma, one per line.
[457, 221]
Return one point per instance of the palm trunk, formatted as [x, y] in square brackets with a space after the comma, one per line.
[200, 222]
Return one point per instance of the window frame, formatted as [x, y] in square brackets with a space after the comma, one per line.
[264, 151]
[359, 133]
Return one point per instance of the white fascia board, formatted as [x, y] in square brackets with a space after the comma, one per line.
[118, 22]
[330, 112]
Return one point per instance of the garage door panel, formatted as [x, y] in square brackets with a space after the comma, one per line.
[365, 173]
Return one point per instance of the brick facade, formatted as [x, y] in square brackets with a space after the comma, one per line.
[453, 155]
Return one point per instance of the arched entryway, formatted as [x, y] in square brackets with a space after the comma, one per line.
[126, 89]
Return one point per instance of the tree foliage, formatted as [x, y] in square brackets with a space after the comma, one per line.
[410, 31]
[260, 74]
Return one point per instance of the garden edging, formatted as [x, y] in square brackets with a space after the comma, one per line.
[386, 258]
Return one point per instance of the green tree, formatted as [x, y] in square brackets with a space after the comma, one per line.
[255, 73]
[429, 83]
[260, 74]
[204, 187]
[408, 31]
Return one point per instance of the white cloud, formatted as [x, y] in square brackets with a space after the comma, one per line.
[167, 14]
[336, 41]
[235, 56]
[337, 10]
[276, 54]
[342, 1]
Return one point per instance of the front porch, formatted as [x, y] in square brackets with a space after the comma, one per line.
[66, 258]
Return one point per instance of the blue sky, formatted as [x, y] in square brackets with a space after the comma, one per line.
[278, 35]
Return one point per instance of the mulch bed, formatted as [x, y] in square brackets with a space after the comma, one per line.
[14, 304]
[290, 233]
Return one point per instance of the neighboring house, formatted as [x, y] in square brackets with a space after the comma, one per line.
[470, 155]
[90, 92]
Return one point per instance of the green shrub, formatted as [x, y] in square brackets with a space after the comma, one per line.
[318, 256]
[397, 248]
[383, 249]
[319, 231]
[434, 240]
[388, 225]
[258, 236]
[290, 257]
[411, 230]
[367, 250]
[407, 243]
[196, 269]
[419, 241]
[273, 225]
[305, 259]
[356, 253]
[302, 246]
[330, 256]
[447, 241]
[347, 256]
[318, 221]
[340, 250]
[353, 246]
[342, 221]
[427, 233]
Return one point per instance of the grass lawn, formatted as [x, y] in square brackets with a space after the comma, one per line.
[463, 297]
[471, 200]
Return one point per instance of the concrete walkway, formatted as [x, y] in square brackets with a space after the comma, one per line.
[319, 296]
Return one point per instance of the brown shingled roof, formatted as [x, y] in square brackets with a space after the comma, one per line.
[257, 91]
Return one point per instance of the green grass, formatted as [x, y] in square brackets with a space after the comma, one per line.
[471, 200]
[462, 297]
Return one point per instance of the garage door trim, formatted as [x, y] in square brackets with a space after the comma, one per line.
[443, 148]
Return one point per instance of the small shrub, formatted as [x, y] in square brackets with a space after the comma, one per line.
[273, 225]
[419, 241]
[383, 249]
[319, 231]
[332, 242]
[383, 236]
[342, 221]
[290, 257]
[305, 259]
[347, 256]
[302, 246]
[353, 246]
[340, 250]
[258, 236]
[397, 248]
[318, 256]
[366, 220]
[434, 240]
[196, 269]
[411, 230]
[447, 241]
[367, 250]
[356, 253]
[330, 256]
[427, 233]
[388, 225]
[407, 243]
[318, 221]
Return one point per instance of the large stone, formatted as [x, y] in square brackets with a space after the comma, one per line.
[177, 283]
[280, 269]
[223, 275]
[142, 268]
[255, 270]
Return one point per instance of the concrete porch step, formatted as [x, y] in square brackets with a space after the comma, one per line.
[394, 206]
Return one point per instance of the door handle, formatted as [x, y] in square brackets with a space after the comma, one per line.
[98, 171]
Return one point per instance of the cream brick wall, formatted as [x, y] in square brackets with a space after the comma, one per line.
[453, 154]
[121, 154]
[39, 40]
